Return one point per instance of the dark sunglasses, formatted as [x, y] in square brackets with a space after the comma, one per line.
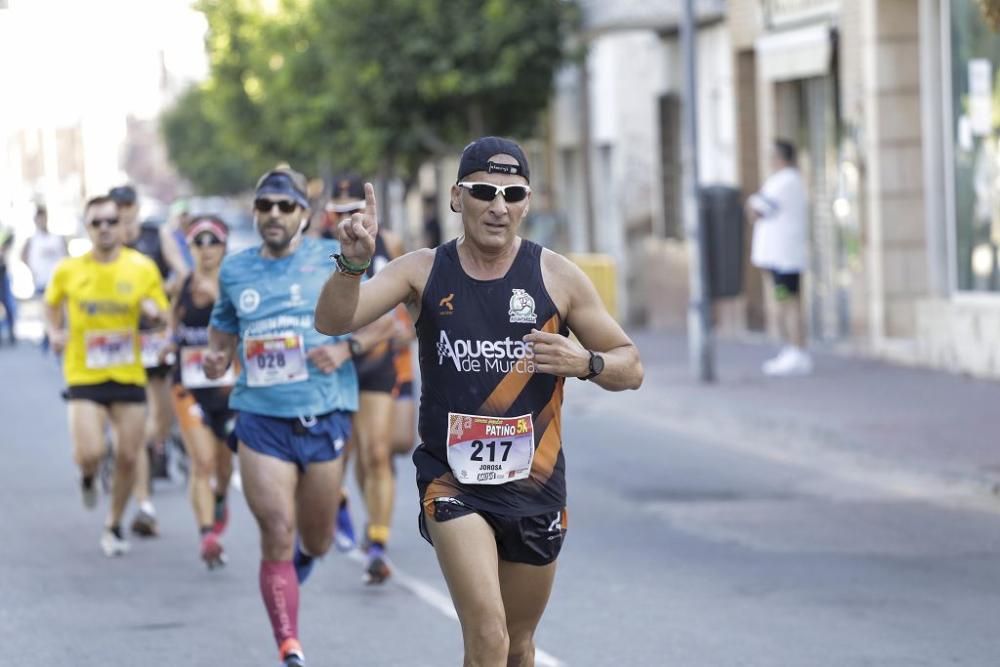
[206, 240]
[265, 205]
[97, 223]
[489, 192]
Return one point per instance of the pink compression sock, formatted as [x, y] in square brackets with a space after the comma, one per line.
[280, 589]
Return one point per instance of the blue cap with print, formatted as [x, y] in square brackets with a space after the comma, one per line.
[284, 181]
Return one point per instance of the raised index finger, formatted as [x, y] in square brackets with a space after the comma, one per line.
[371, 209]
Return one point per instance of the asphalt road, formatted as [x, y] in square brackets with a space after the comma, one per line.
[680, 552]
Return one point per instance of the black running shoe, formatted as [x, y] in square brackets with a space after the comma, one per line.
[377, 568]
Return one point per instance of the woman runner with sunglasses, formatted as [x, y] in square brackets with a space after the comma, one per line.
[493, 312]
[201, 404]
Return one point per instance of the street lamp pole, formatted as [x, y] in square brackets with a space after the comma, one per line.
[700, 347]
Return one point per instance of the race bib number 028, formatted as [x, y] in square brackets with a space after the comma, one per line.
[490, 450]
[275, 359]
[107, 349]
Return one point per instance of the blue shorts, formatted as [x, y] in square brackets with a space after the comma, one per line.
[294, 440]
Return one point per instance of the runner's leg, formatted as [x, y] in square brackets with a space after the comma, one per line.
[127, 421]
[403, 425]
[86, 429]
[157, 425]
[467, 552]
[200, 444]
[160, 409]
[316, 504]
[374, 420]
[157, 391]
[525, 589]
[223, 468]
[269, 485]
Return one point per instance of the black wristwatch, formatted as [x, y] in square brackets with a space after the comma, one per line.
[355, 345]
[595, 366]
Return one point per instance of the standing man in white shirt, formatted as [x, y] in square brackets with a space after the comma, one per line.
[779, 213]
[41, 253]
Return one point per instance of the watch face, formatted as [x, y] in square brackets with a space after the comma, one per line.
[596, 364]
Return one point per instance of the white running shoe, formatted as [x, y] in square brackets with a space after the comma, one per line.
[792, 361]
[777, 362]
[112, 545]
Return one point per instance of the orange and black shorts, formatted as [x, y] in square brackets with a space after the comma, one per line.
[192, 412]
[532, 540]
[404, 375]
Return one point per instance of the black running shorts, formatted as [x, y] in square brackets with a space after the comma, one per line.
[532, 540]
[376, 374]
[158, 372]
[106, 393]
[785, 284]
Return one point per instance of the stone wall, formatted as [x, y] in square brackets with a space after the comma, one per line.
[896, 243]
[959, 336]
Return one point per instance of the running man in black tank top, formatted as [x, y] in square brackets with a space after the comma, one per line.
[158, 415]
[371, 435]
[493, 312]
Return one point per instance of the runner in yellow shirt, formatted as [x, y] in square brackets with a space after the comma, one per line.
[93, 305]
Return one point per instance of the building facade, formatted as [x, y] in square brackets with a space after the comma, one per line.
[613, 146]
[891, 104]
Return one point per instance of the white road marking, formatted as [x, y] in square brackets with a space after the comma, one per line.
[430, 595]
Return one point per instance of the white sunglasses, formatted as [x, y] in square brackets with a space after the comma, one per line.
[489, 191]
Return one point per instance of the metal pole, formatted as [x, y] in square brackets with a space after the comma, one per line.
[700, 348]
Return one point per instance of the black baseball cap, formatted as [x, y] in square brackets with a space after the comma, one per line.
[476, 157]
[124, 195]
[284, 181]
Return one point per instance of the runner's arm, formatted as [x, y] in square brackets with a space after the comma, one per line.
[55, 319]
[384, 328]
[224, 328]
[171, 253]
[595, 330]
[55, 296]
[222, 341]
[154, 304]
[346, 304]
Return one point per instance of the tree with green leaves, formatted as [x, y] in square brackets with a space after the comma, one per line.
[378, 86]
[198, 147]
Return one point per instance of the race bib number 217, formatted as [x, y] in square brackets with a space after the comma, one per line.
[490, 450]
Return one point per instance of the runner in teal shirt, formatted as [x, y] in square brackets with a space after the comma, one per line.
[295, 395]
[269, 304]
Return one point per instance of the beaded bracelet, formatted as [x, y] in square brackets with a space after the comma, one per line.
[348, 268]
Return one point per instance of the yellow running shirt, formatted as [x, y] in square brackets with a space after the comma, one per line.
[102, 304]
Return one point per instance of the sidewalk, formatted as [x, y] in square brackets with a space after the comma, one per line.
[914, 432]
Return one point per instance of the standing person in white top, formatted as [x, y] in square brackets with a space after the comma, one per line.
[779, 213]
[41, 253]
